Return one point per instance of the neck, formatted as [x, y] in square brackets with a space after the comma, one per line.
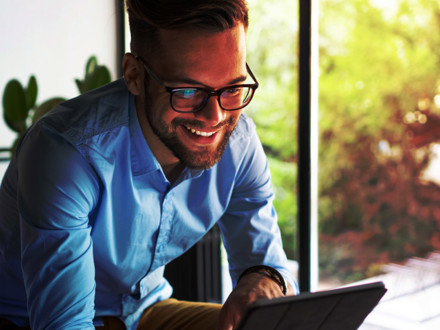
[172, 172]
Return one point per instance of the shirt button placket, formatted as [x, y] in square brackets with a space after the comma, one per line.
[167, 216]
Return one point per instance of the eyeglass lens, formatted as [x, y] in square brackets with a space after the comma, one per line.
[189, 99]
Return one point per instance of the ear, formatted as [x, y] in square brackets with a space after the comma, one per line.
[133, 73]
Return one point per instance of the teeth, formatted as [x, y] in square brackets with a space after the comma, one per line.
[192, 130]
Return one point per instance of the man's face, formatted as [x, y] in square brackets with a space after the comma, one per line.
[195, 58]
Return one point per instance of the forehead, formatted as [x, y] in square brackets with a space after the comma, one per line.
[198, 54]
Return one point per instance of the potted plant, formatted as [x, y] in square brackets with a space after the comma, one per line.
[20, 109]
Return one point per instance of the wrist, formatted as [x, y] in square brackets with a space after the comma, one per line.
[268, 272]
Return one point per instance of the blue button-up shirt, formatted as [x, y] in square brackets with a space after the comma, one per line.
[88, 219]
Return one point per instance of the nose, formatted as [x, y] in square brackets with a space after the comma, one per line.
[212, 114]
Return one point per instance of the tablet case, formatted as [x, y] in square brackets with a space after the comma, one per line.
[338, 309]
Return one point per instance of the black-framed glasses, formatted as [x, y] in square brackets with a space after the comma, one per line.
[193, 99]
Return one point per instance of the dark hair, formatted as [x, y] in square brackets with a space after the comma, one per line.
[146, 17]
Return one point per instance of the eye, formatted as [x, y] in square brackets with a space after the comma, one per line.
[232, 92]
[187, 93]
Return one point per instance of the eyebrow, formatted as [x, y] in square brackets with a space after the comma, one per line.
[190, 81]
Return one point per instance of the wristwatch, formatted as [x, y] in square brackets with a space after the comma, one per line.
[269, 272]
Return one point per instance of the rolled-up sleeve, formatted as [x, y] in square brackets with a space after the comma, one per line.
[57, 190]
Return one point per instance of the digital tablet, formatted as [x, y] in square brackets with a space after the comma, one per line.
[339, 309]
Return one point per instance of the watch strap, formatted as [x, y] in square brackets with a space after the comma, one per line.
[269, 272]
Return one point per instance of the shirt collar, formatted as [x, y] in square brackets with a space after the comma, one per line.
[142, 158]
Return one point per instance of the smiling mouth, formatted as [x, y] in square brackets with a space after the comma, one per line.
[200, 133]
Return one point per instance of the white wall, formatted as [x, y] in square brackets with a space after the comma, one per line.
[53, 39]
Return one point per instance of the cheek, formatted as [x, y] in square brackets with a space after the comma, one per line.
[233, 117]
[160, 108]
[167, 115]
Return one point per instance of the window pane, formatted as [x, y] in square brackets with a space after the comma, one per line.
[379, 183]
[271, 54]
[272, 49]
[53, 40]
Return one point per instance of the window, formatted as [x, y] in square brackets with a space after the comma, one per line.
[379, 187]
[271, 53]
[53, 41]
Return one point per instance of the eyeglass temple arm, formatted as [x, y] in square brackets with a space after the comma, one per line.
[151, 73]
[252, 75]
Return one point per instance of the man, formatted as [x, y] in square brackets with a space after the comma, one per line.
[109, 187]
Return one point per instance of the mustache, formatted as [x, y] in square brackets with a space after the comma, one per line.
[199, 124]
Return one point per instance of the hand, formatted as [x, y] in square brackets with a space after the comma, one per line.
[251, 287]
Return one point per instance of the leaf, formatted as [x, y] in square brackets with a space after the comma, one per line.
[80, 85]
[45, 107]
[32, 92]
[91, 65]
[17, 126]
[97, 78]
[15, 110]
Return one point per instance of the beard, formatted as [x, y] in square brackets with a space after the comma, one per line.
[201, 158]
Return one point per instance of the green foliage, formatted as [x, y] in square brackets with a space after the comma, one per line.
[95, 76]
[19, 104]
[378, 120]
[271, 55]
[379, 113]
[271, 48]
[284, 182]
